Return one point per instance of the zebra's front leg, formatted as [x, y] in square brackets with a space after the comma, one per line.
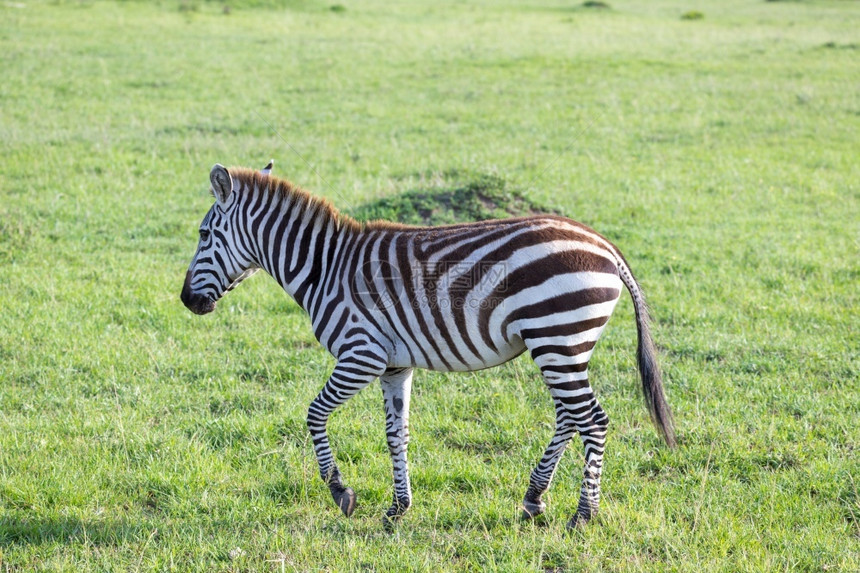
[396, 389]
[347, 379]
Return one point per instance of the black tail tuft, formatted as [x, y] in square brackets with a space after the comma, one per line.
[649, 370]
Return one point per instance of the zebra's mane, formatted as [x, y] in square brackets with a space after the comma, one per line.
[317, 207]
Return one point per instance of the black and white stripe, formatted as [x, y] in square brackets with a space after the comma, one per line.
[386, 298]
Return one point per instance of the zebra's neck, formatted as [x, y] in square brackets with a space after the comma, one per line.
[294, 238]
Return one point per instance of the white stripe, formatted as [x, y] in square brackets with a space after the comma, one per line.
[591, 335]
[569, 393]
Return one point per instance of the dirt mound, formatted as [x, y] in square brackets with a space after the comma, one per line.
[476, 197]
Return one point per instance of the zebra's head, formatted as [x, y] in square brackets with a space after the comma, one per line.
[221, 262]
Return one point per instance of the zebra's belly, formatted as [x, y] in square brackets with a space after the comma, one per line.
[462, 360]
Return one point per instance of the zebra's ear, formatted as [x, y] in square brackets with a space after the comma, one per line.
[268, 168]
[222, 183]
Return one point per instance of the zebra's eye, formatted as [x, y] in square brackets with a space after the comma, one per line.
[204, 235]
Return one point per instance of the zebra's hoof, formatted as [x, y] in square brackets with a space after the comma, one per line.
[389, 522]
[395, 512]
[579, 520]
[532, 509]
[345, 500]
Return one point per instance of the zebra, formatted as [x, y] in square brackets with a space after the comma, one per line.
[385, 298]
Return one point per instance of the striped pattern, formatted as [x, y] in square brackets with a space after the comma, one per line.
[386, 298]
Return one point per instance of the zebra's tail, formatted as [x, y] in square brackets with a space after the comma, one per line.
[646, 356]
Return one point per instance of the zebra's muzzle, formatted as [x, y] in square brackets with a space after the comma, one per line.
[196, 303]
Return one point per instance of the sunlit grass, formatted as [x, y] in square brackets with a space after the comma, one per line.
[718, 153]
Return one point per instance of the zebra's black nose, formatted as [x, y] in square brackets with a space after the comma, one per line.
[196, 303]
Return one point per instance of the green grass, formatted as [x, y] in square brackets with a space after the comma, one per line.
[720, 154]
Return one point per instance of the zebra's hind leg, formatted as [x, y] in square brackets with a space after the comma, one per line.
[565, 372]
[591, 423]
[396, 390]
[562, 352]
[542, 474]
[347, 379]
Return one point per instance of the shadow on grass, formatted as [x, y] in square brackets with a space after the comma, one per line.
[16, 530]
[488, 520]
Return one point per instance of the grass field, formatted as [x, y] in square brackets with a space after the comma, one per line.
[720, 154]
